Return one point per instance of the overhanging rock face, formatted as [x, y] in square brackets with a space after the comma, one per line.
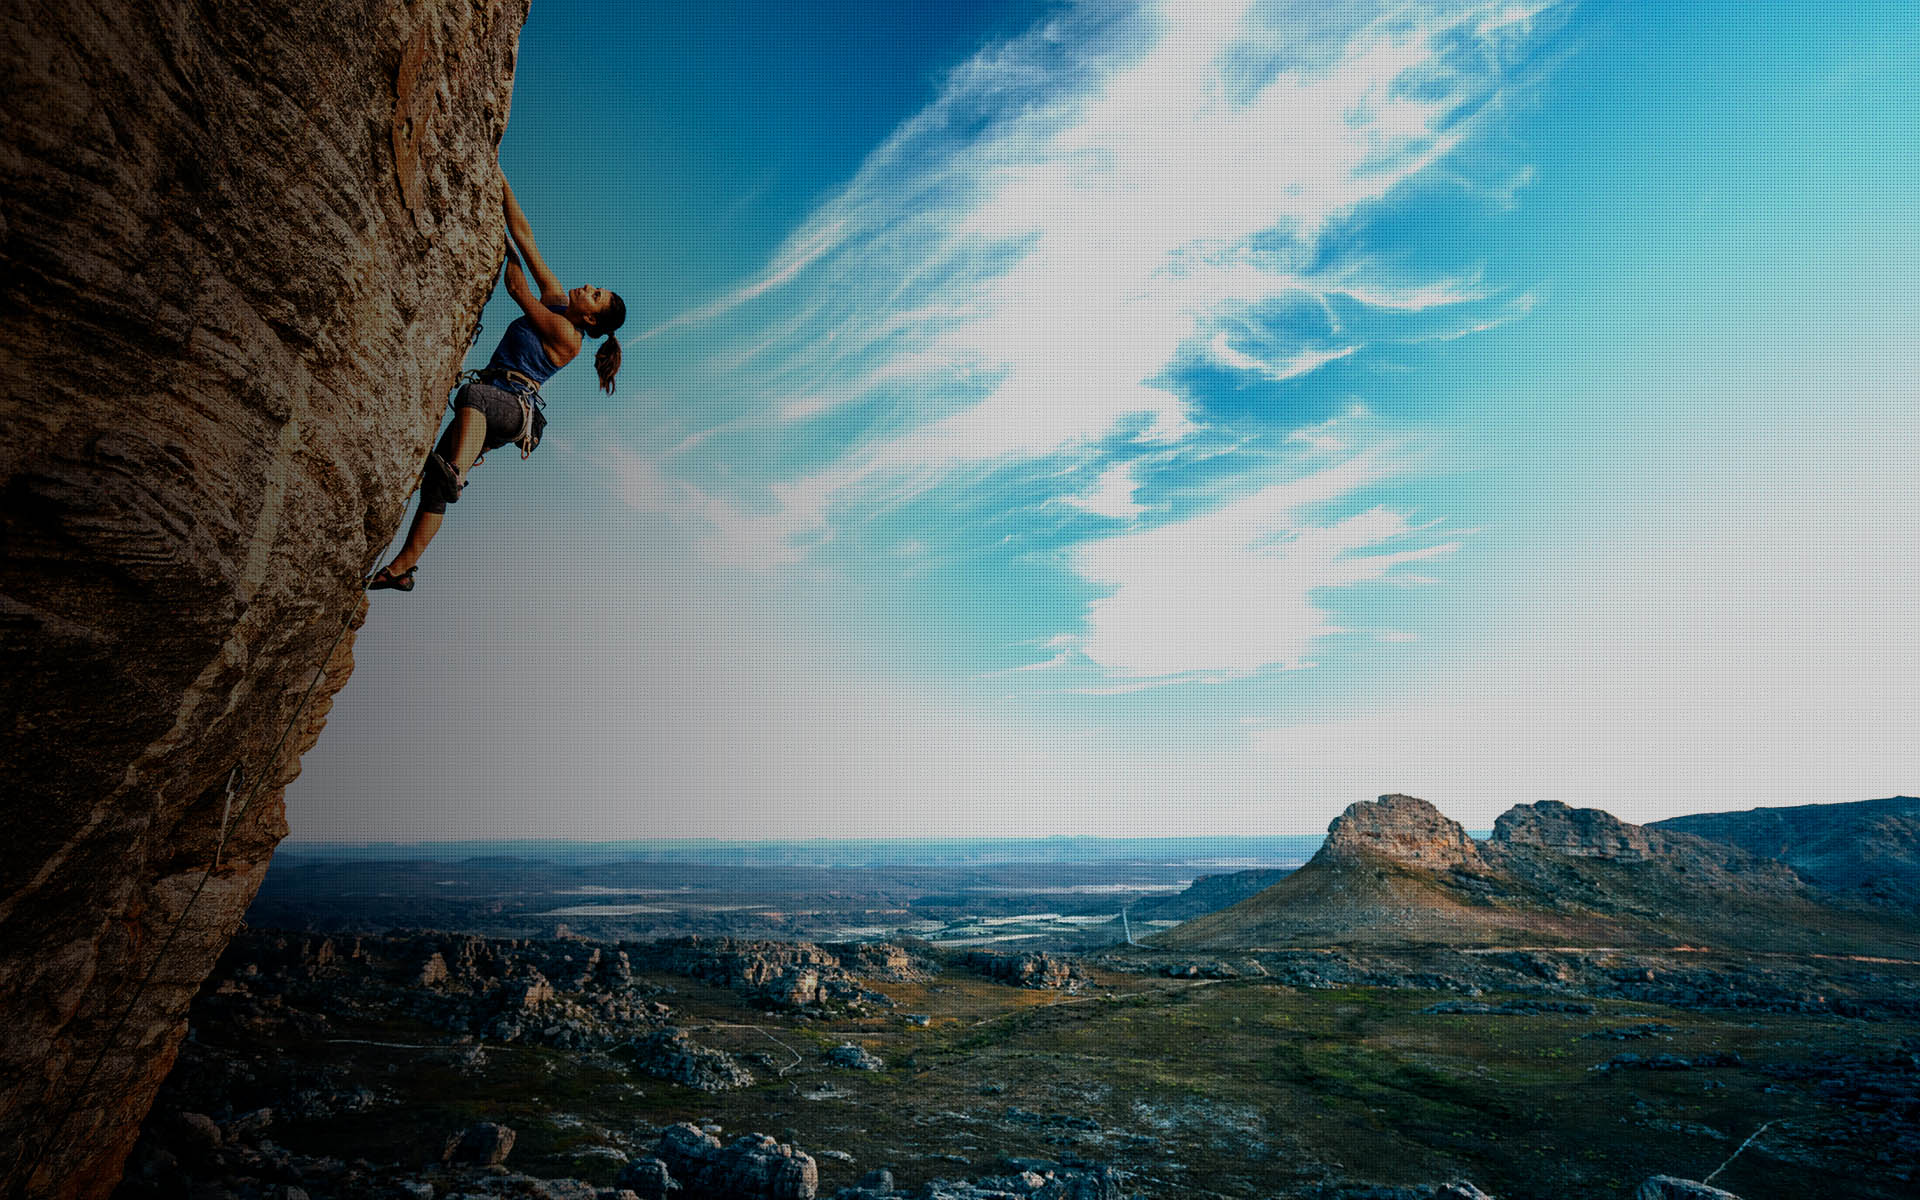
[244, 248]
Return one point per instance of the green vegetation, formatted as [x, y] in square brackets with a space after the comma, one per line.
[1232, 1088]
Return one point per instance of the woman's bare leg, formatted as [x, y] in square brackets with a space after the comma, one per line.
[469, 434]
[470, 430]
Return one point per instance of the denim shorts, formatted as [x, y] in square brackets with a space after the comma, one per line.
[499, 406]
[504, 417]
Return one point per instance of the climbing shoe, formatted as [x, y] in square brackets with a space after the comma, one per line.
[385, 578]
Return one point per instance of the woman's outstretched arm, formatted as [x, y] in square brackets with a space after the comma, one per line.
[557, 335]
[522, 234]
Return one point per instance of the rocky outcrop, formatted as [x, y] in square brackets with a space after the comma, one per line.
[647, 1179]
[754, 1167]
[796, 976]
[244, 250]
[485, 1144]
[849, 1057]
[1031, 970]
[1869, 849]
[1581, 832]
[1404, 829]
[566, 994]
[1395, 871]
[670, 1054]
[1536, 841]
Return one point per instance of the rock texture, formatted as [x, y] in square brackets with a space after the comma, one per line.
[1535, 842]
[1869, 850]
[754, 1167]
[244, 249]
[849, 1057]
[1029, 970]
[670, 1054]
[485, 1144]
[1405, 829]
[568, 995]
[1396, 872]
[1582, 832]
[795, 976]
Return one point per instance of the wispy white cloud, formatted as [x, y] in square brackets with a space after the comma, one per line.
[1022, 270]
[1234, 590]
[1301, 362]
[1112, 496]
[799, 252]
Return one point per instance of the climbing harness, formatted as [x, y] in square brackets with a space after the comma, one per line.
[533, 418]
[23, 1181]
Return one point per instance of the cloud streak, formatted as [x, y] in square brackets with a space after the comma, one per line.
[1023, 272]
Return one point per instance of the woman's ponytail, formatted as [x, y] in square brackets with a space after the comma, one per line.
[606, 361]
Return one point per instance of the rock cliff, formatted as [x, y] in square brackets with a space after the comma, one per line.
[1582, 832]
[1869, 850]
[1528, 837]
[1396, 872]
[1405, 829]
[243, 251]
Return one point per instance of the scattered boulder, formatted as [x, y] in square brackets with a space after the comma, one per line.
[198, 1133]
[849, 1057]
[754, 1167]
[647, 1179]
[670, 1054]
[248, 1125]
[485, 1144]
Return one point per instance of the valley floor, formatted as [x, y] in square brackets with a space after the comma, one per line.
[1532, 1074]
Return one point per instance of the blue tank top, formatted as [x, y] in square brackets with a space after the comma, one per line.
[520, 350]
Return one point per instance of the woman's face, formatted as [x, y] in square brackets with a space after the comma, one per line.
[588, 302]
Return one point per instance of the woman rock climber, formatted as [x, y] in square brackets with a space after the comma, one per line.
[497, 408]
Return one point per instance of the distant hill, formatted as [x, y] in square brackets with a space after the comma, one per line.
[1870, 850]
[1209, 893]
[1397, 872]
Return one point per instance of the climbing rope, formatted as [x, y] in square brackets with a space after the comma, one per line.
[24, 1179]
[1743, 1145]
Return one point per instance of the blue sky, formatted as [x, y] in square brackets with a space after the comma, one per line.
[1130, 418]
